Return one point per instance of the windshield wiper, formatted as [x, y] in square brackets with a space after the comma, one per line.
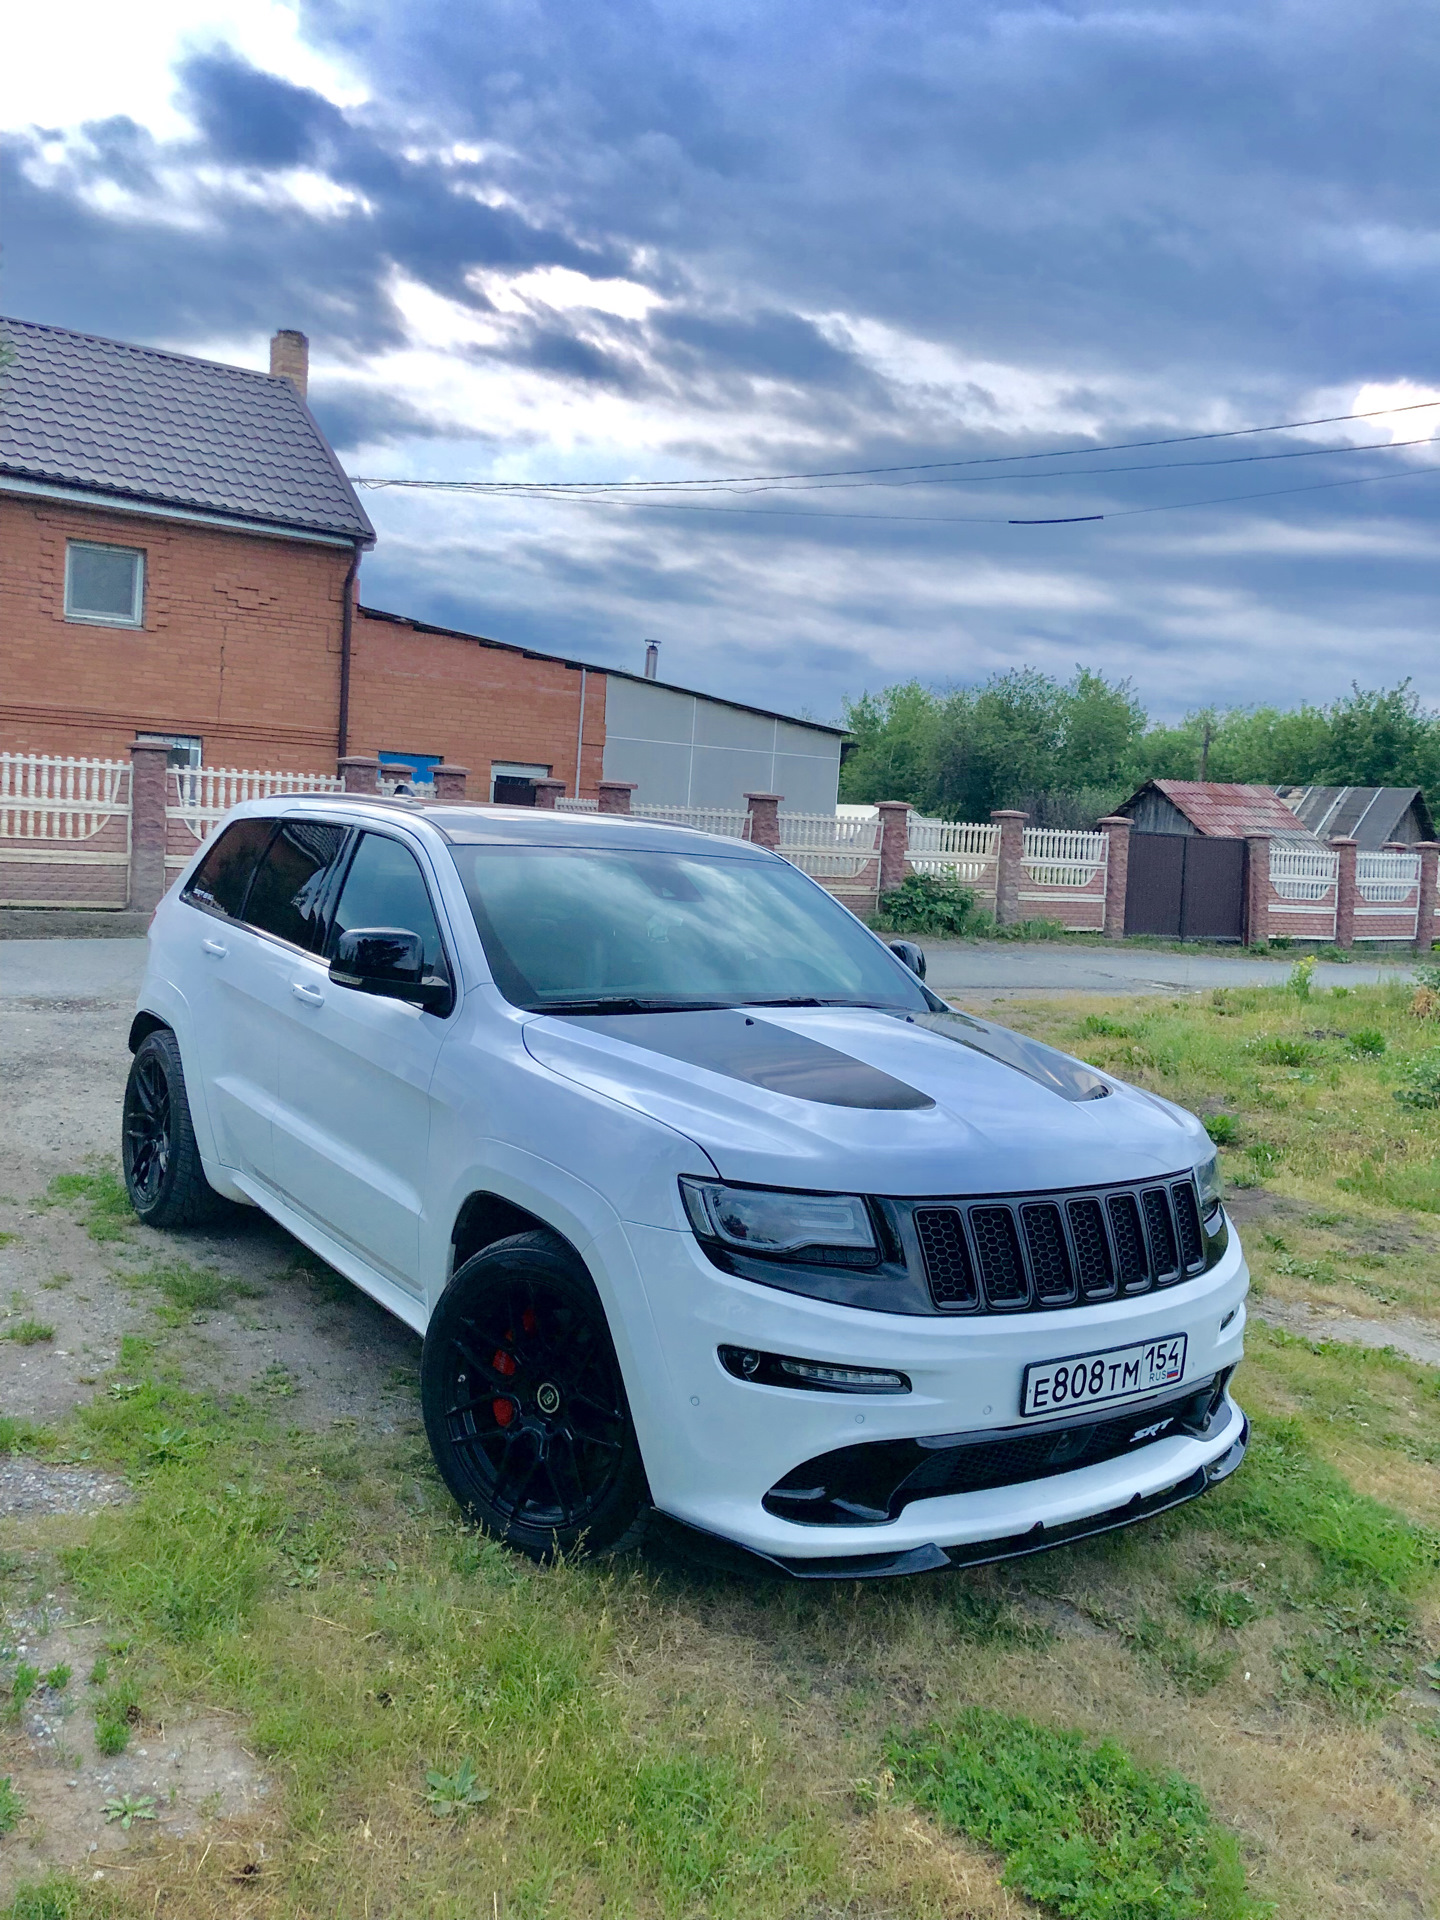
[627, 1003]
[809, 1000]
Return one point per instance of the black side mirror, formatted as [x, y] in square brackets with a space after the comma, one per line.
[390, 962]
[911, 955]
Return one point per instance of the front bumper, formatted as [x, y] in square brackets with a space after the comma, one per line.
[718, 1445]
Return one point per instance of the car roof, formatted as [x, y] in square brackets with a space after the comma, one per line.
[478, 824]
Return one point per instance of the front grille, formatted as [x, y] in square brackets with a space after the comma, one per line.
[1059, 1250]
[874, 1481]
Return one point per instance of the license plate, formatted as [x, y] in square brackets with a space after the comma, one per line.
[1090, 1379]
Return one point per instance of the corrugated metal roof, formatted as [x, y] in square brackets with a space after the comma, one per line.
[1229, 812]
[135, 423]
[1370, 815]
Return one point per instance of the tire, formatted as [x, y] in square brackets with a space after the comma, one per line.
[525, 1406]
[163, 1175]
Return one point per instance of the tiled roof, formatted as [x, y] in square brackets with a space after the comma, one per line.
[1228, 812]
[133, 422]
[1370, 815]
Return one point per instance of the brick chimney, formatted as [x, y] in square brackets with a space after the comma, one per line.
[290, 358]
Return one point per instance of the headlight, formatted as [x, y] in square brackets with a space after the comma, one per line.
[1207, 1179]
[752, 1220]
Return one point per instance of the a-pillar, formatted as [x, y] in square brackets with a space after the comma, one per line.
[1257, 890]
[547, 792]
[360, 774]
[1116, 829]
[149, 790]
[1346, 850]
[764, 821]
[1429, 852]
[449, 781]
[615, 795]
[894, 839]
[1010, 866]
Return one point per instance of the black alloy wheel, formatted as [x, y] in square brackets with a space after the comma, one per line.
[525, 1407]
[158, 1150]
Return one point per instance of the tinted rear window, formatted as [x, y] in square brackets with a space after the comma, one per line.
[287, 897]
[219, 882]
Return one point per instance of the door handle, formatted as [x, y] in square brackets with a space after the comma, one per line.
[214, 949]
[312, 996]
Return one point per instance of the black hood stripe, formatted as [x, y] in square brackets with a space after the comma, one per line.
[759, 1053]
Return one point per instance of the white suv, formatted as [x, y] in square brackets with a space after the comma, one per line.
[704, 1204]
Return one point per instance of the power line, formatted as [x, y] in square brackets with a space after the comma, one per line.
[918, 466]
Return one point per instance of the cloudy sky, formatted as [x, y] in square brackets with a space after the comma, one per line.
[668, 240]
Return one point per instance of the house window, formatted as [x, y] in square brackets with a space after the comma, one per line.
[186, 749]
[512, 784]
[104, 585]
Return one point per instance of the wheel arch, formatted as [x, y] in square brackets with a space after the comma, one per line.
[141, 1028]
[486, 1217]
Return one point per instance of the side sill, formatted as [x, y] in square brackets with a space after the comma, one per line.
[394, 1299]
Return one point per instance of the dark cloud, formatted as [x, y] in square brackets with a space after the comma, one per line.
[1157, 217]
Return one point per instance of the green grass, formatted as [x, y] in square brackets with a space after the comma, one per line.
[1083, 1829]
[12, 1807]
[189, 1289]
[28, 1332]
[20, 1436]
[100, 1196]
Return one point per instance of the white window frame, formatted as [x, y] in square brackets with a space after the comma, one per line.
[137, 610]
[192, 745]
[515, 770]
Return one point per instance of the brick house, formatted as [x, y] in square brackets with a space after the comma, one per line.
[178, 551]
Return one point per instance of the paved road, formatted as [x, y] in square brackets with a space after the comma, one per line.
[1047, 966]
[111, 969]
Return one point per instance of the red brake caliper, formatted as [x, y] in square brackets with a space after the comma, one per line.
[503, 1410]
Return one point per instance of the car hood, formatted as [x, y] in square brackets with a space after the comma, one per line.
[859, 1099]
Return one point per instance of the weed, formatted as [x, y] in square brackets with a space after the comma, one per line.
[12, 1807]
[126, 1808]
[19, 1436]
[989, 1619]
[1277, 1051]
[1194, 1670]
[56, 1897]
[1428, 976]
[1084, 1830]
[190, 1289]
[931, 903]
[1423, 1077]
[1223, 1129]
[117, 1714]
[57, 1679]
[1356, 1659]
[455, 1793]
[29, 1333]
[1101, 1024]
[100, 1672]
[1301, 975]
[1426, 1004]
[8, 1239]
[23, 1683]
[108, 1214]
[1369, 1042]
[1220, 1606]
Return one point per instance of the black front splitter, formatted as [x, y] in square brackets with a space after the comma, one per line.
[731, 1557]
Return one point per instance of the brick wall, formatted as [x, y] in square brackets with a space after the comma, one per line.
[241, 643]
[415, 691]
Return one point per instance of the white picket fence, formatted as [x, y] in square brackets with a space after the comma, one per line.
[204, 795]
[1061, 857]
[731, 822]
[576, 805]
[965, 850]
[45, 797]
[827, 847]
[1302, 874]
[1387, 877]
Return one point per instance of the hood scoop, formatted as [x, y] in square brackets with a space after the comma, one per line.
[731, 1042]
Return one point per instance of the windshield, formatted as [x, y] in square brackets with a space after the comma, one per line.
[584, 930]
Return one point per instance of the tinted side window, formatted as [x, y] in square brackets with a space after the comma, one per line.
[288, 894]
[220, 880]
[385, 888]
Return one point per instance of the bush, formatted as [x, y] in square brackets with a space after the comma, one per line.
[1424, 1078]
[1223, 1129]
[931, 903]
[1368, 1040]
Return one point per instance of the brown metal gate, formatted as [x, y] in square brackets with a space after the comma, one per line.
[1186, 887]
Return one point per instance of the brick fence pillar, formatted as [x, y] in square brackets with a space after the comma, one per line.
[764, 819]
[149, 790]
[1257, 890]
[449, 781]
[1429, 852]
[615, 795]
[1011, 865]
[361, 775]
[1346, 850]
[1116, 829]
[894, 838]
[547, 792]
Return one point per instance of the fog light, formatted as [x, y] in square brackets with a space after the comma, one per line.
[780, 1370]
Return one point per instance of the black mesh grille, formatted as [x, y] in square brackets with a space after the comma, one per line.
[1187, 1222]
[947, 1261]
[1163, 1256]
[1092, 1249]
[1049, 1256]
[1032, 1456]
[1129, 1243]
[1002, 1267]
